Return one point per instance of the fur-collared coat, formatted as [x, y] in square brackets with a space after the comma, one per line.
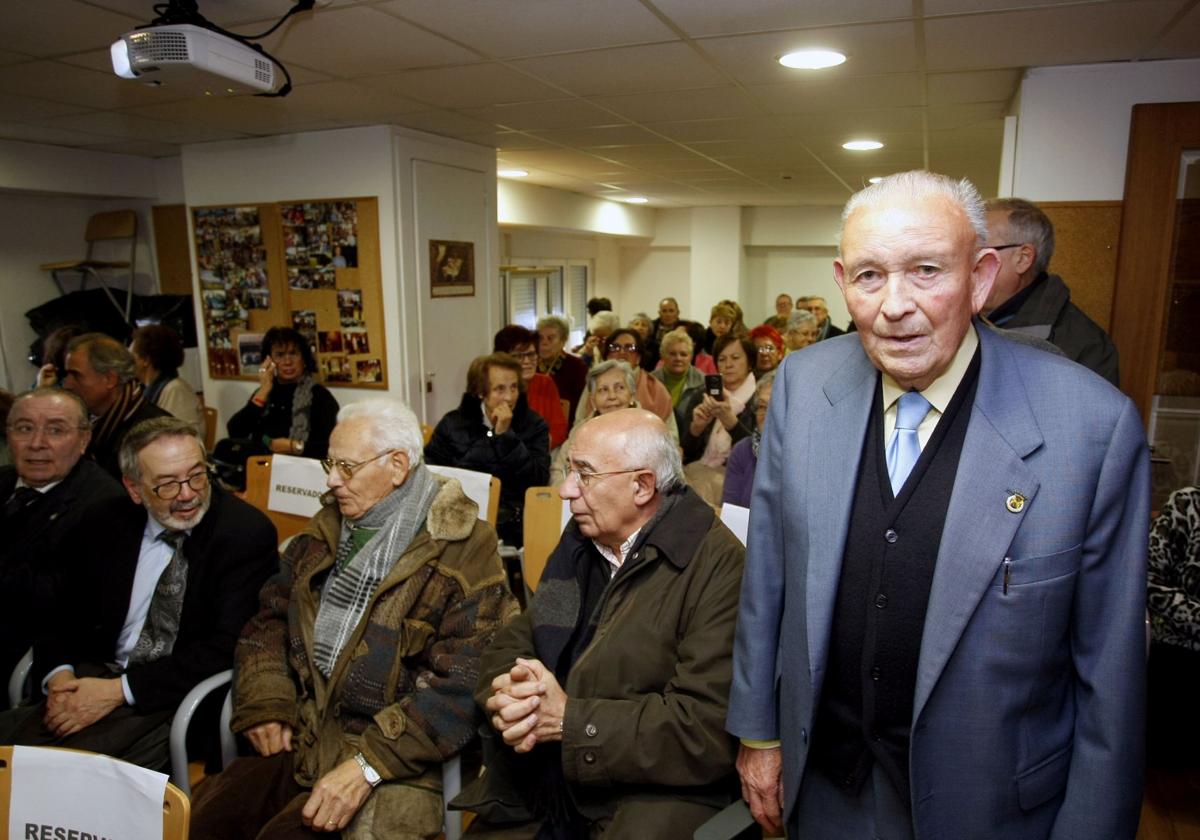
[401, 690]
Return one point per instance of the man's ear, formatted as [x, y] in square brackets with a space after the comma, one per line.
[132, 488]
[645, 487]
[1026, 255]
[400, 467]
[983, 275]
[839, 275]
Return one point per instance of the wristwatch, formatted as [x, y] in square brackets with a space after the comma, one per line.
[372, 777]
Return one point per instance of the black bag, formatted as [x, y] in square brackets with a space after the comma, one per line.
[229, 460]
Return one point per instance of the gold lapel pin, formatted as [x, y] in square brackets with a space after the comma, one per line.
[1015, 503]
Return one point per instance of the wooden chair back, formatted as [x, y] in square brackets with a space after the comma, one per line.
[258, 491]
[210, 428]
[116, 224]
[543, 526]
[426, 432]
[176, 807]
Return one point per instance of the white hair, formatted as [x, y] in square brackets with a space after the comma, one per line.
[604, 320]
[921, 184]
[649, 445]
[392, 425]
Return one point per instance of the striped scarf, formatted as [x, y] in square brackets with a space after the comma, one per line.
[368, 549]
[302, 399]
[129, 400]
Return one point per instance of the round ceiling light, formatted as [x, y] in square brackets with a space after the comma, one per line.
[512, 173]
[637, 199]
[862, 145]
[811, 59]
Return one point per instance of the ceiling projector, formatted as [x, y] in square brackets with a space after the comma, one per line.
[191, 59]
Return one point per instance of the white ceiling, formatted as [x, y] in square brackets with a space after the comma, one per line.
[678, 100]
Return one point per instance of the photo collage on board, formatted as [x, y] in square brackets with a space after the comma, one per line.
[233, 281]
[318, 239]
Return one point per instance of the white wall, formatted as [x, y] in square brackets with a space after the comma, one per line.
[1073, 124]
[529, 205]
[52, 169]
[770, 271]
[650, 274]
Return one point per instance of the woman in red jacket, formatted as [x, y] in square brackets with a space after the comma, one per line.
[540, 391]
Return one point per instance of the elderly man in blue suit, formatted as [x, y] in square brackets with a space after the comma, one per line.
[941, 623]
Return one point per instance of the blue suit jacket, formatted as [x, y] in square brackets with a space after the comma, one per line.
[1029, 708]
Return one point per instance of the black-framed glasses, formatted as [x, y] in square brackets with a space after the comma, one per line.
[345, 469]
[170, 490]
[584, 478]
[1005, 247]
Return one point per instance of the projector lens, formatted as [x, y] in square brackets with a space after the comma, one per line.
[120, 59]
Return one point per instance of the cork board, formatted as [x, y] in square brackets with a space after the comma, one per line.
[313, 265]
[1086, 234]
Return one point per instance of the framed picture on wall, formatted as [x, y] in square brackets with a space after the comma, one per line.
[451, 268]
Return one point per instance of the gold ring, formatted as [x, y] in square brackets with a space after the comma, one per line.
[331, 824]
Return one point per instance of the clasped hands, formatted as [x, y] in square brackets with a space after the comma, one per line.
[527, 705]
[709, 409]
[73, 705]
[335, 798]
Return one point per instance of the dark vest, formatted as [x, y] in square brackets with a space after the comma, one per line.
[866, 705]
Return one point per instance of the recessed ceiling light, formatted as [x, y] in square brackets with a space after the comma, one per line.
[512, 173]
[637, 199]
[874, 180]
[862, 145]
[811, 59]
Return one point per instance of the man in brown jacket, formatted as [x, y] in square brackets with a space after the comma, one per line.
[610, 692]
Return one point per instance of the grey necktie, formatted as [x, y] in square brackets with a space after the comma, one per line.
[157, 638]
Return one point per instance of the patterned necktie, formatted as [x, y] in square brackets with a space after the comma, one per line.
[157, 638]
[21, 499]
[905, 447]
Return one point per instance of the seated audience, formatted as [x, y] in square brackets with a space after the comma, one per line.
[495, 431]
[644, 327]
[801, 330]
[540, 391]
[743, 458]
[624, 345]
[600, 327]
[1173, 582]
[612, 386]
[825, 328]
[701, 360]
[668, 318]
[710, 427]
[353, 680]
[783, 308]
[568, 372]
[157, 354]
[720, 324]
[677, 373]
[609, 693]
[150, 606]
[54, 355]
[769, 346]
[289, 413]
[102, 373]
[51, 493]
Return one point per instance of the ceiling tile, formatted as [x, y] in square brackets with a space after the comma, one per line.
[29, 109]
[75, 85]
[231, 14]
[625, 70]
[352, 41]
[829, 93]
[935, 8]
[37, 28]
[504, 29]
[465, 86]
[720, 17]
[142, 148]
[446, 123]
[7, 57]
[1115, 32]
[48, 134]
[1179, 41]
[650, 154]
[529, 116]
[133, 127]
[696, 104]
[869, 49]
[601, 135]
[694, 130]
[973, 86]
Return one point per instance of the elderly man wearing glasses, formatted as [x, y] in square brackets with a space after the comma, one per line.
[151, 604]
[609, 693]
[354, 680]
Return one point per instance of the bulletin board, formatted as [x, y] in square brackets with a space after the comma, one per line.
[312, 265]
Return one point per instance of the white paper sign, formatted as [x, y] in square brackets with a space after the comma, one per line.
[736, 519]
[476, 485]
[566, 516]
[296, 485]
[83, 795]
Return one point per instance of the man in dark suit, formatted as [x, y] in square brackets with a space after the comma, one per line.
[151, 606]
[50, 491]
[820, 310]
[101, 371]
[946, 639]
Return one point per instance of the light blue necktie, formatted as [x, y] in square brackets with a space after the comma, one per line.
[905, 447]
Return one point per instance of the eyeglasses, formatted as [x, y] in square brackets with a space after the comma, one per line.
[584, 478]
[528, 354]
[1003, 247]
[345, 469]
[767, 350]
[24, 430]
[622, 348]
[169, 490]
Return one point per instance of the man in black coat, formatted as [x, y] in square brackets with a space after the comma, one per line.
[495, 431]
[101, 371]
[49, 491]
[151, 606]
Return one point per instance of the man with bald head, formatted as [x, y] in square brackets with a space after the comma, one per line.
[609, 693]
[101, 371]
[49, 492]
[947, 639]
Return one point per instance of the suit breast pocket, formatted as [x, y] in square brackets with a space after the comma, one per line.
[1018, 571]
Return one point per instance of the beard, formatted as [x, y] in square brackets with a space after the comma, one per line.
[170, 519]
